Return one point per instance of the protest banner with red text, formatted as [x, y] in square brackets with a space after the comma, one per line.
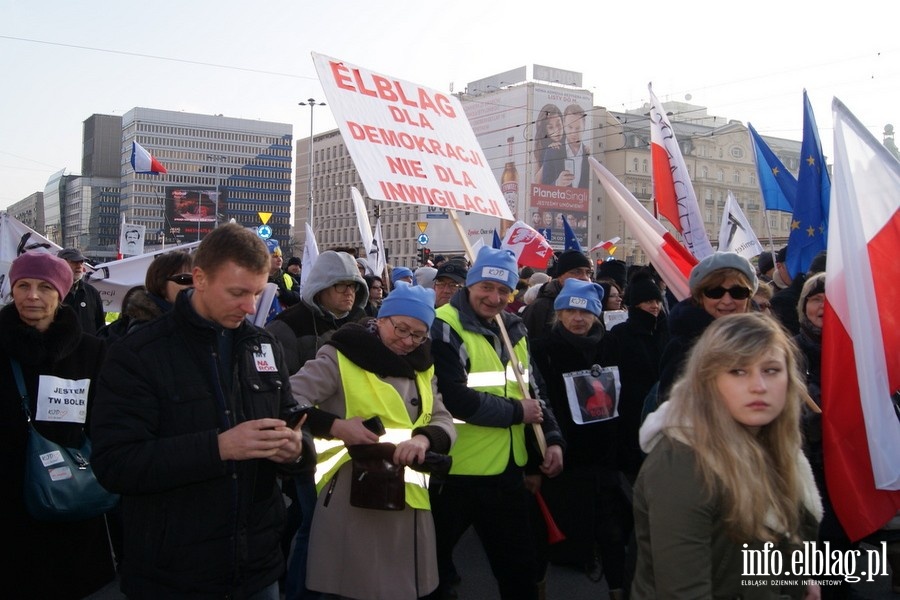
[409, 143]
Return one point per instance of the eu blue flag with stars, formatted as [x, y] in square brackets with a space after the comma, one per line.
[496, 243]
[809, 225]
[571, 242]
[777, 184]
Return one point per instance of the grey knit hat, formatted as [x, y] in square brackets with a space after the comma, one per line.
[723, 260]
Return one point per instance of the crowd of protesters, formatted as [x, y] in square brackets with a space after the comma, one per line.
[581, 416]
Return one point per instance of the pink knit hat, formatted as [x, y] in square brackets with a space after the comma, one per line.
[43, 266]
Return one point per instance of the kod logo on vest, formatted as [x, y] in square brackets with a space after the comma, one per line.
[578, 303]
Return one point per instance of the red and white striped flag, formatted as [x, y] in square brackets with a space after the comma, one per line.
[672, 260]
[861, 334]
[144, 162]
[672, 187]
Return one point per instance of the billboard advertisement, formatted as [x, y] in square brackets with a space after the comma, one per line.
[562, 135]
[498, 120]
[190, 211]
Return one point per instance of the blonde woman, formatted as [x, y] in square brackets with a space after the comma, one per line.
[725, 473]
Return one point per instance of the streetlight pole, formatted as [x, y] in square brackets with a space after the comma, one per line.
[311, 103]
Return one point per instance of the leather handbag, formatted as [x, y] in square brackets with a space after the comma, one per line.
[59, 482]
[377, 482]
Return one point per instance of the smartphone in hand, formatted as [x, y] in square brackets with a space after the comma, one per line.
[375, 425]
[296, 414]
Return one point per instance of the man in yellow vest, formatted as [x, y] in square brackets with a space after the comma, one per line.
[486, 486]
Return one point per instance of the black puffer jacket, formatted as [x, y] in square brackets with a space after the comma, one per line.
[195, 526]
[686, 322]
[561, 352]
[636, 347]
[538, 316]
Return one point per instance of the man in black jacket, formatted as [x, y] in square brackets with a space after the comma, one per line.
[190, 427]
[83, 297]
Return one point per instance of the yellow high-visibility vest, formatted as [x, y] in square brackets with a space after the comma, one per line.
[485, 450]
[366, 396]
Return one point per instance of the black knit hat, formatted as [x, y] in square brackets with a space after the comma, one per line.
[571, 259]
[765, 263]
[641, 288]
[614, 269]
[818, 263]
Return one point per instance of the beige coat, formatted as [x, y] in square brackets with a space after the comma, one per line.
[362, 553]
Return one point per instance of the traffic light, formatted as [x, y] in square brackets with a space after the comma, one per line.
[424, 256]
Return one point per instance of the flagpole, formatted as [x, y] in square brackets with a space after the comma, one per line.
[121, 233]
[523, 386]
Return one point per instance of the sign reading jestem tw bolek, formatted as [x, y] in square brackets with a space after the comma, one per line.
[410, 144]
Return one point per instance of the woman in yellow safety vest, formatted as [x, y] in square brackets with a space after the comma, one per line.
[382, 368]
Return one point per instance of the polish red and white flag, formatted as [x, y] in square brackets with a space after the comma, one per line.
[672, 260]
[672, 187]
[861, 333]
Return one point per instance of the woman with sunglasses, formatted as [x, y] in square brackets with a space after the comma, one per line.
[166, 276]
[380, 367]
[721, 284]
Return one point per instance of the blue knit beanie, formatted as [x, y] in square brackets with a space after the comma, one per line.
[409, 301]
[583, 295]
[494, 264]
[399, 272]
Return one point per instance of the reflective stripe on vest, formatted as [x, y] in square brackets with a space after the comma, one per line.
[485, 450]
[365, 396]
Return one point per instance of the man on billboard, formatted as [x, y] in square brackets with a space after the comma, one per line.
[567, 166]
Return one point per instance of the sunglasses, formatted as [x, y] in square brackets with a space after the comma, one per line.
[737, 292]
[182, 279]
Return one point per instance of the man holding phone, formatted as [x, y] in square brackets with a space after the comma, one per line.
[567, 166]
[190, 426]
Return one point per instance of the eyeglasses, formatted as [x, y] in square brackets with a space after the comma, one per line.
[402, 332]
[447, 284]
[341, 288]
[182, 279]
[581, 272]
[737, 292]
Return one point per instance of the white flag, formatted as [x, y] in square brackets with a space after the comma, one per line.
[376, 256]
[362, 221]
[310, 254]
[131, 239]
[735, 233]
[17, 238]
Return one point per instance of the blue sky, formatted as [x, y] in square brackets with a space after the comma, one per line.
[62, 61]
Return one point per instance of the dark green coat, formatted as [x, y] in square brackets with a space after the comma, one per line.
[683, 549]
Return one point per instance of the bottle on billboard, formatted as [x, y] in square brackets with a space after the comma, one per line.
[509, 181]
